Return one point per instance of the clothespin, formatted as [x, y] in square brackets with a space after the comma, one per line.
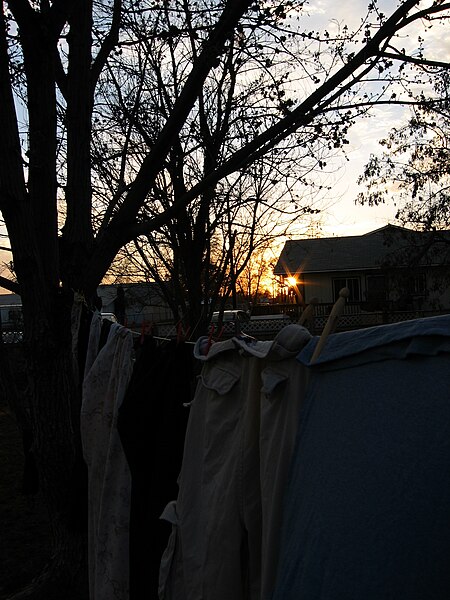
[182, 334]
[331, 323]
[146, 329]
[210, 339]
[308, 312]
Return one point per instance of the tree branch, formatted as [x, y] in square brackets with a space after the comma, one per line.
[426, 12]
[123, 228]
[55, 17]
[58, 14]
[300, 116]
[12, 286]
[22, 12]
[12, 182]
[60, 75]
[109, 42]
[416, 61]
[114, 238]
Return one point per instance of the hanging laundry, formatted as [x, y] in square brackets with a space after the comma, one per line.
[227, 516]
[367, 505]
[109, 481]
[93, 341]
[81, 321]
[152, 425]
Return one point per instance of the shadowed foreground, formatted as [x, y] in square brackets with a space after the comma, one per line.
[25, 540]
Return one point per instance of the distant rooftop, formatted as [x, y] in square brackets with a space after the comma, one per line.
[361, 252]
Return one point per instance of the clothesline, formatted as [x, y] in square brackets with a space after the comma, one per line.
[136, 334]
[347, 451]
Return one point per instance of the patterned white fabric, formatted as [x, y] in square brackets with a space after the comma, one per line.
[94, 338]
[109, 479]
[242, 428]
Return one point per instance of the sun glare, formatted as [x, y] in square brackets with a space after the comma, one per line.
[291, 281]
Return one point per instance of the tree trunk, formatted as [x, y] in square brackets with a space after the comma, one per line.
[55, 408]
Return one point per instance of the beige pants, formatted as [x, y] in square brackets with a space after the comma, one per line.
[239, 442]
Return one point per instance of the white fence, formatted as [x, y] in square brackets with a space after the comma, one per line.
[266, 329]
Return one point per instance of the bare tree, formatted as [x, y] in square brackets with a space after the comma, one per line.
[54, 61]
[252, 283]
[244, 92]
[413, 171]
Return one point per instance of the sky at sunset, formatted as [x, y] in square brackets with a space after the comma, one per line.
[343, 217]
[340, 215]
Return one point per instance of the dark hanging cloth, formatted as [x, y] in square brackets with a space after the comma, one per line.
[152, 424]
[77, 505]
[366, 511]
[104, 333]
[83, 340]
[30, 477]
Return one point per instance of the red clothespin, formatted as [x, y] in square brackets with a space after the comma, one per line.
[210, 338]
[220, 333]
[182, 333]
[146, 329]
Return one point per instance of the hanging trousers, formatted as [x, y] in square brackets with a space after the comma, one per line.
[240, 436]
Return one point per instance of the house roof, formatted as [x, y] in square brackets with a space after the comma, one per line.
[390, 245]
[137, 293]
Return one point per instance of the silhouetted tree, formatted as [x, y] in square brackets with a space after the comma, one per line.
[67, 218]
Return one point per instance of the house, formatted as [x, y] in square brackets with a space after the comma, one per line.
[388, 270]
[134, 304]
